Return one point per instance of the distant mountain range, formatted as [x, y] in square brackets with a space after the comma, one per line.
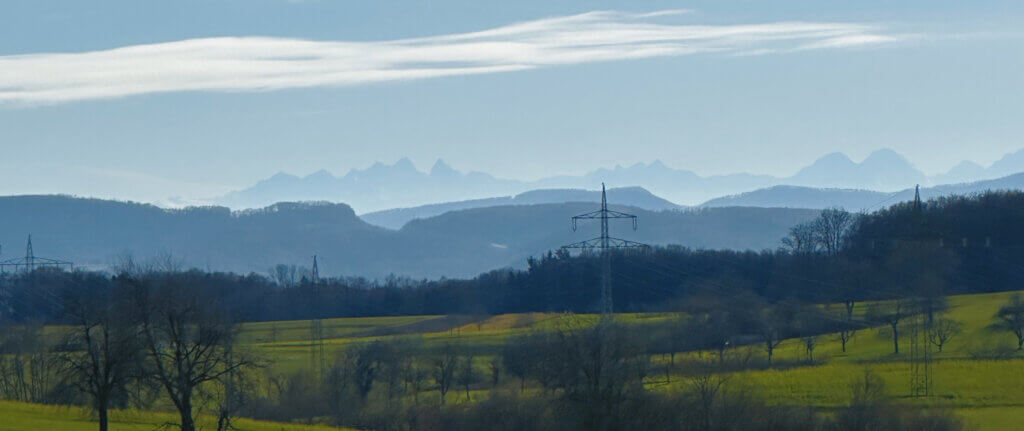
[802, 197]
[454, 240]
[376, 188]
[94, 233]
[855, 200]
[769, 197]
[626, 196]
[401, 185]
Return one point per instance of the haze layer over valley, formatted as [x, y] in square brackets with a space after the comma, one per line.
[402, 185]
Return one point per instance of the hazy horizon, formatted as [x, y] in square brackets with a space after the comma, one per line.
[195, 99]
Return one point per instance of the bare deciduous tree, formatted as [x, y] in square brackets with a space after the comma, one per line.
[890, 313]
[801, 239]
[102, 351]
[414, 377]
[707, 385]
[444, 364]
[365, 363]
[165, 261]
[515, 357]
[845, 330]
[831, 228]
[810, 343]
[235, 389]
[942, 330]
[1010, 318]
[827, 233]
[770, 328]
[187, 339]
[29, 371]
[283, 274]
[677, 340]
[466, 374]
[495, 368]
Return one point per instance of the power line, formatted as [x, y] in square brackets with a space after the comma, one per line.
[31, 262]
[920, 353]
[604, 243]
[316, 329]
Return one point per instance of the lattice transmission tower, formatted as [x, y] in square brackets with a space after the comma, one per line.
[31, 262]
[316, 328]
[605, 243]
[921, 320]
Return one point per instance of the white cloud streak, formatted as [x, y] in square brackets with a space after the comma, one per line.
[263, 63]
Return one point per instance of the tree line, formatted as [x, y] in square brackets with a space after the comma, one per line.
[149, 339]
[154, 342]
[944, 246]
[127, 343]
[160, 332]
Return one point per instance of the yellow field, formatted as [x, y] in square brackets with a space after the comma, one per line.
[16, 416]
[988, 393]
[960, 380]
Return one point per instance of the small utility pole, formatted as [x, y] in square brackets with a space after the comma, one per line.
[605, 243]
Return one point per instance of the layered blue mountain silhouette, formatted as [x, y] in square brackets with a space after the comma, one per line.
[402, 185]
[375, 188]
[95, 233]
[626, 196]
[458, 238]
[855, 200]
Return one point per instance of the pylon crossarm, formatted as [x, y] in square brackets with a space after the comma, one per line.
[623, 243]
[588, 244]
[612, 243]
[604, 243]
[592, 214]
[616, 214]
[597, 215]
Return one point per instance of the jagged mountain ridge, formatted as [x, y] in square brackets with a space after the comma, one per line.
[378, 187]
[402, 185]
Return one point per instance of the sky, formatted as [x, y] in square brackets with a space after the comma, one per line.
[191, 99]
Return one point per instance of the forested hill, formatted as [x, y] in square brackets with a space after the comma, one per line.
[95, 233]
[857, 200]
[945, 246]
[630, 196]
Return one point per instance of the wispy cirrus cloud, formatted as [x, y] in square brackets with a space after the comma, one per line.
[264, 63]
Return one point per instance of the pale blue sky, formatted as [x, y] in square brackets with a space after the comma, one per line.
[937, 81]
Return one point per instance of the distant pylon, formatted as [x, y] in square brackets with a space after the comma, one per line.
[31, 262]
[315, 276]
[604, 243]
[316, 328]
[921, 322]
[30, 256]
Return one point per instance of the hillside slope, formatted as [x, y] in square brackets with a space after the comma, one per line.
[628, 196]
[95, 233]
[856, 200]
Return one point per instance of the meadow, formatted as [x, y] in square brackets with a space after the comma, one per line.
[24, 416]
[978, 375]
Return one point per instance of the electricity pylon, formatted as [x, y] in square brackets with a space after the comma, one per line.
[921, 323]
[31, 262]
[316, 329]
[605, 244]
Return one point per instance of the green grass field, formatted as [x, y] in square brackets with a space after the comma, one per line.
[987, 392]
[960, 378]
[15, 416]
